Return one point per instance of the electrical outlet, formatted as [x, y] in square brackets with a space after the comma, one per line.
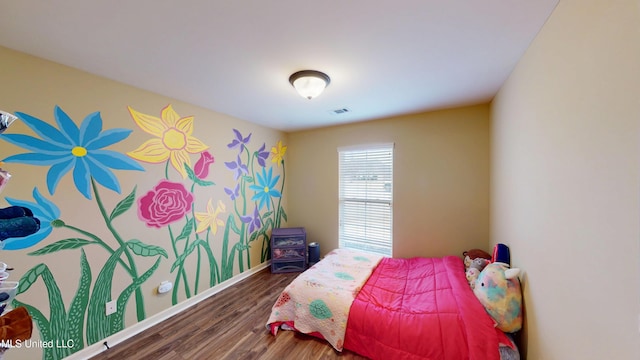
[110, 307]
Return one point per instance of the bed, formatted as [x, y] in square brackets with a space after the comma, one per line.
[388, 308]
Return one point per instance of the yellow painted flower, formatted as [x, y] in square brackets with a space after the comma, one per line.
[277, 152]
[174, 140]
[210, 219]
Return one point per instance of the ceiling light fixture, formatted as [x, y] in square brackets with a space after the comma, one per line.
[309, 83]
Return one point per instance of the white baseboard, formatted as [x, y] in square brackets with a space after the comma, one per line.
[115, 339]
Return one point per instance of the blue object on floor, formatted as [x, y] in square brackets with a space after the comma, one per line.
[314, 253]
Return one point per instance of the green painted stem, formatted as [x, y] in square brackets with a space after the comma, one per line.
[180, 269]
[133, 271]
[174, 292]
[226, 273]
[195, 226]
[243, 190]
[284, 176]
[213, 264]
[101, 243]
[195, 289]
[187, 289]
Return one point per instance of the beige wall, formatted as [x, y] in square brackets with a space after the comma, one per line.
[34, 86]
[441, 180]
[565, 181]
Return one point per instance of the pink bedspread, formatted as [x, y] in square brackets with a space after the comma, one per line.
[420, 308]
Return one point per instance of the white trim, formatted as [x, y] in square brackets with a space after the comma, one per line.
[367, 146]
[131, 331]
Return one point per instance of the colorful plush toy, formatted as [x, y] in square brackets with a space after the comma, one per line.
[474, 267]
[498, 289]
[496, 285]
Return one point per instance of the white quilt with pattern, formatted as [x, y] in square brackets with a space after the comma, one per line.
[319, 299]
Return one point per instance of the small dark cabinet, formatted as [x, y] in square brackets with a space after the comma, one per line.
[288, 250]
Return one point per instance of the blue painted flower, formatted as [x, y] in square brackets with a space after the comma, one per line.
[74, 148]
[253, 221]
[262, 155]
[233, 193]
[239, 141]
[238, 167]
[44, 210]
[265, 188]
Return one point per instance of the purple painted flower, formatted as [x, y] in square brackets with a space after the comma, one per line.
[253, 221]
[238, 167]
[233, 194]
[239, 141]
[262, 155]
[166, 203]
[201, 168]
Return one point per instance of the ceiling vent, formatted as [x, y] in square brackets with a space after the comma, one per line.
[340, 111]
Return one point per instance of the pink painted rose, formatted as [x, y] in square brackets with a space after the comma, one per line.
[166, 203]
[201, 169]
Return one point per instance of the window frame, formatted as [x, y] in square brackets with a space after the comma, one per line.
[366, 200]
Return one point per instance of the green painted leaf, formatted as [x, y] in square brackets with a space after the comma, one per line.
[247, 178]
[283, 214]
[320, 310]
[239, 247]
[186, 230]
[57, 310]
[201, 182]
[254, 236]
[228, 272]
[65, 244]
[180, 260]
[267, 214]
[142, 249]
[30, 277]
[225, 250]
[117, 319]
[123, 205]
[78, 308]
[266, 248]
[268, 224]
[99, 325]
[42, 324]
[192, 175]
[214, 272]
[232, 223]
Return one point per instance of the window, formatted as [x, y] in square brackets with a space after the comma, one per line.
[366, 198]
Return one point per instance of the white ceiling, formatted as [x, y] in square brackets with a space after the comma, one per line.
[384, 58]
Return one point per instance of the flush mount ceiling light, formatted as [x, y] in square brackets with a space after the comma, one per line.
[309, 83]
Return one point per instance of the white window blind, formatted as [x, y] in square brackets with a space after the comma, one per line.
[366, 198]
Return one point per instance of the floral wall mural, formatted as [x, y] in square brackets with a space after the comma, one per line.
[207, 236]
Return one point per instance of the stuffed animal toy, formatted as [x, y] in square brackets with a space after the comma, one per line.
[498, 289]
[479, 263]
[477, 253]
[474, 267]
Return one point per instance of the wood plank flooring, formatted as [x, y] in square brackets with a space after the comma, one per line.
[228, 325]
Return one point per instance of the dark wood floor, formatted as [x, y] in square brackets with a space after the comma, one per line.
[228, 325]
